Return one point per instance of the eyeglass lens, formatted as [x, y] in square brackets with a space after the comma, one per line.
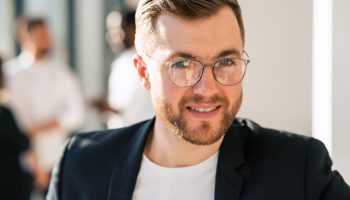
[189, 72]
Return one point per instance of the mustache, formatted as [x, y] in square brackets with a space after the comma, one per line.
[201, 99]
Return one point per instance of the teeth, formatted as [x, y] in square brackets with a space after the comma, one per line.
[203, 109]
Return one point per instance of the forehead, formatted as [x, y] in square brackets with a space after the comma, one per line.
[202, 38]
[38, 28]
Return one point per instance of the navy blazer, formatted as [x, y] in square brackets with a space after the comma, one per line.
[254, 163]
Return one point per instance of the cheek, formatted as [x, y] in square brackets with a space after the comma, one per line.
[163, 90]
[168, 94]
[234, 94]
[159, 85]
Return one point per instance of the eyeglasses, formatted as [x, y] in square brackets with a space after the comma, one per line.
[188, 72]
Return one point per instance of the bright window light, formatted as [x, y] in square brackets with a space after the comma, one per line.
[322, 72]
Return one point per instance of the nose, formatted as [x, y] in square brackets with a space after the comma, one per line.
[207, 85]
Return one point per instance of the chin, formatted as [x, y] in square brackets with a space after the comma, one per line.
[203, 134]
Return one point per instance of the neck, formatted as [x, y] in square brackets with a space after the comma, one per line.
[30, 50]
[166, 149]
[40, 56]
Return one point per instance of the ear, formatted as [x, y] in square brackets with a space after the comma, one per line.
[142, 71]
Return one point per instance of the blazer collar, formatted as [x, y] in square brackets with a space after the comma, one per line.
[124, 176]
[228, 182]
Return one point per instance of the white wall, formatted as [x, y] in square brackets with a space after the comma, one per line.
[7, 47]
[278, 80]
[341, 87]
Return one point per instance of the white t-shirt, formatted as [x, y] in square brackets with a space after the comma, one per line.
[155, 182]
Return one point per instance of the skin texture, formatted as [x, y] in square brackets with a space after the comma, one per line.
[182, 136]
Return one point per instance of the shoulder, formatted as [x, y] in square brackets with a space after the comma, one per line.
[9, 64]
[103, 145]
[91, 158]
[127, 54]
[6, 112]
[265, 143]
[11, 67]
[124, 57]
[255, 132]
[274, 157]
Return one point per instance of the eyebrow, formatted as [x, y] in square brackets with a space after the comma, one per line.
[181, 55]
[224, 53]
[229, 52]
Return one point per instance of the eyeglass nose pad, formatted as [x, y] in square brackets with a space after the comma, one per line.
[203, 71]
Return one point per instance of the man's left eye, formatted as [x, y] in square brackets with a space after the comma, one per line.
[225, 62]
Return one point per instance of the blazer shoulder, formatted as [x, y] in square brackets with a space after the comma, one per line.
[102, 144]
[261, 141]
[253, 131]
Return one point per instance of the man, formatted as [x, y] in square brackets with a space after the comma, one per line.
[45, 96]
[128, 102]
[190, 56]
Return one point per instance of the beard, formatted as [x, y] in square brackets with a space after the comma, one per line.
[204, 133]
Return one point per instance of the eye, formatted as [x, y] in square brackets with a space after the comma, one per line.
[181, 64]
[226, 62]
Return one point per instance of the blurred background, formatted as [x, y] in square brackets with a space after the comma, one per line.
[298, 79]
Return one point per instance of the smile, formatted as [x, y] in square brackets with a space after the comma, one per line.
[203, 110]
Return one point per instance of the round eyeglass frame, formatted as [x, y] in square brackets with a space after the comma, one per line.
[168, 64]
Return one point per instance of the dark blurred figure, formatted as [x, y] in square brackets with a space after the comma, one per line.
[15, 183]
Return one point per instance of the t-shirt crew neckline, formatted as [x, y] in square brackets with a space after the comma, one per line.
[206, 164]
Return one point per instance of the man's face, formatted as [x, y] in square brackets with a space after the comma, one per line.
[40, 38]
[200, 114]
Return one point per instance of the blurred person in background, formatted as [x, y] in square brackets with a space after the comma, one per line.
[45, 96]
[127, 102]
[15, 182]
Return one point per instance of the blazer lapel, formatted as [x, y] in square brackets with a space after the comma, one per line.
[124, 176]
[228, 182]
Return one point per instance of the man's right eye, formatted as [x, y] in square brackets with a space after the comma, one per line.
[180, 64]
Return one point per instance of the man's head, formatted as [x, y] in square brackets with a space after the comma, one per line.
[33, 35]
[210, 32]
[120, 30]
